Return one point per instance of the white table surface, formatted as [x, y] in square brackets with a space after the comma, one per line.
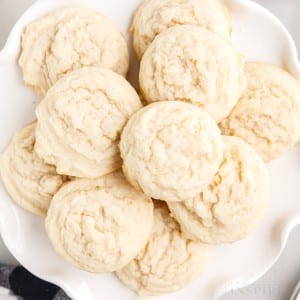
[279, 282]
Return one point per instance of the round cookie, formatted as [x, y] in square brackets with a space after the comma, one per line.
[39, 35]
[80, 121]
[268, 114]
[99, 225]
[236, 199]
[171, 150]
[168, 262]
[192, 64]
[155, 16]
[30, 182]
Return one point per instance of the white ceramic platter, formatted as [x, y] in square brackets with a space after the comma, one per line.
[257, 34]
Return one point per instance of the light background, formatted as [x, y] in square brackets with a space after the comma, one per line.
[279, 282]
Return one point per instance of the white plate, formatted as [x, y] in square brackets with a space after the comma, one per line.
[257, 34]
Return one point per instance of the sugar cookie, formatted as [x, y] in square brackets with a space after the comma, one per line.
[80, 121]
[37, 46]
[191, 64]
[236, 199]
[168, 262]
[155, 16]
[171, 150]
[99, 225]
[30, 182]
[268, 114]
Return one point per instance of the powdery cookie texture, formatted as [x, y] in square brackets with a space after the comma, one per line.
[80, 121]
[99, 225]
[155, 16]
[236, 199]
[30, 182]
[168, 262]
[268, 114]
[171, 150]
[66, 39]
[192, 64]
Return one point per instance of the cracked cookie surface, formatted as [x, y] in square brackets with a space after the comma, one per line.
[189, 63]
[86, 40]
[155, 16]
[74, 51]
[168, 262]
[268, 114]
[233, 203]
[80, 121]
[30, 182]
[171, 150]
[99, 225]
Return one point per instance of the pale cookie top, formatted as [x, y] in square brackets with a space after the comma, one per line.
[171, 150]
[86, 40]
[99, 225]
[30, 182]
[80, 121]
[236, 199]
[191, 64]
[79, 49]
[268, 114]
[168, 262]
[155, 16]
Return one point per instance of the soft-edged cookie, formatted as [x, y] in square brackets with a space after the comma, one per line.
[155, 16]
[30, 182]
[268, 114]
[168, 262]
[80, 121]
[192, 64]
[61, 40]
[171, 150]
[236, 199]
[99, 225]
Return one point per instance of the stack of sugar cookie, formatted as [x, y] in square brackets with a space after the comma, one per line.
[144, 191]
